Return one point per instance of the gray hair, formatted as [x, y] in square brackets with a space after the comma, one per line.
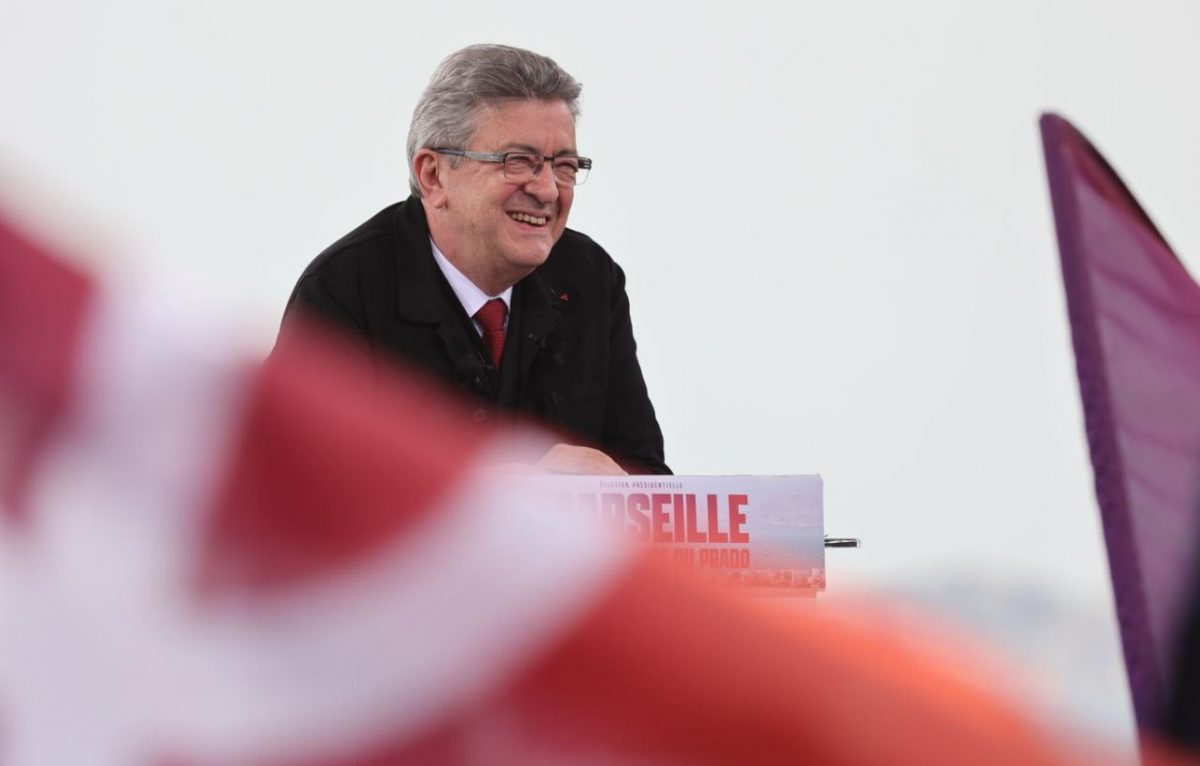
[477, 76]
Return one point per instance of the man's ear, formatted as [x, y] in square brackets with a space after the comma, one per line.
[429, 177]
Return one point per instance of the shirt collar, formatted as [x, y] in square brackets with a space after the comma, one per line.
[467, 292]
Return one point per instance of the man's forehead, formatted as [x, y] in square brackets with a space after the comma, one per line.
[525, 123]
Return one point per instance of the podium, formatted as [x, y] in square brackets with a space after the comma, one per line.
[763, 533]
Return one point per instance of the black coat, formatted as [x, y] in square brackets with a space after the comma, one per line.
[570, 359]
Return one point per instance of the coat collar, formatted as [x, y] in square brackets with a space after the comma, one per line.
[542, 306]
[417, 272]
[424, 296]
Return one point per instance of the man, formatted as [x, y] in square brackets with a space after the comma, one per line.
[476, 278]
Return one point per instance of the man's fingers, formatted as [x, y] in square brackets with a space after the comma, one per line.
[570, 458]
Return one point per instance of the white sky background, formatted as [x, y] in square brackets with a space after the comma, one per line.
[833, 216]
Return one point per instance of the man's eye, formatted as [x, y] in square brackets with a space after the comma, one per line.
[521, 162]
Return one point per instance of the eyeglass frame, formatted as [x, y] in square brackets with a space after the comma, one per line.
[501, 159]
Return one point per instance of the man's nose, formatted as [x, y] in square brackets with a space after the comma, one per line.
[543, 185]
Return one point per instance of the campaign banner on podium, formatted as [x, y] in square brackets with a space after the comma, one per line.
[763, 532]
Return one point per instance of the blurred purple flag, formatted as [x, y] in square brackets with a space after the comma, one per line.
[1135, 324]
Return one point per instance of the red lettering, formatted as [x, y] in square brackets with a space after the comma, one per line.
[680, 527]
[659, 518]
[737, 519]
[715, 534]
[694, 535]
[612, 509]
[723, 558]
[636, 506]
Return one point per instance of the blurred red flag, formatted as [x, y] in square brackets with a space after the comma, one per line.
[208, 561]
[1135, 324]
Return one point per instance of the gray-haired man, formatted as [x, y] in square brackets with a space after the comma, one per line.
[475, 277]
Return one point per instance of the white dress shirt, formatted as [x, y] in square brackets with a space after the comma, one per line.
[468, 293]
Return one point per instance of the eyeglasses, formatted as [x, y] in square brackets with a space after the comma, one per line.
[523, 167]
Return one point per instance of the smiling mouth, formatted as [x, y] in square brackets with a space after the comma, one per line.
[532, 220]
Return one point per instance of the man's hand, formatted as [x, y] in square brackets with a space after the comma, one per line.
[570, 458]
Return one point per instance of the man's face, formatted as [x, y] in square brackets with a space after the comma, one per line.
[505, 228]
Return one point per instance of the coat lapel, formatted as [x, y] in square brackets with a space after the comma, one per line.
[542, 308]
[424, 297]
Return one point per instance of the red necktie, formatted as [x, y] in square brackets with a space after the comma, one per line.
[491, 318]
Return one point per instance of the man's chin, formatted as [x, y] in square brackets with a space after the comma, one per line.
[529, 257]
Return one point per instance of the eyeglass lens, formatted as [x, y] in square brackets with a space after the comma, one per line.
[522, 168]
